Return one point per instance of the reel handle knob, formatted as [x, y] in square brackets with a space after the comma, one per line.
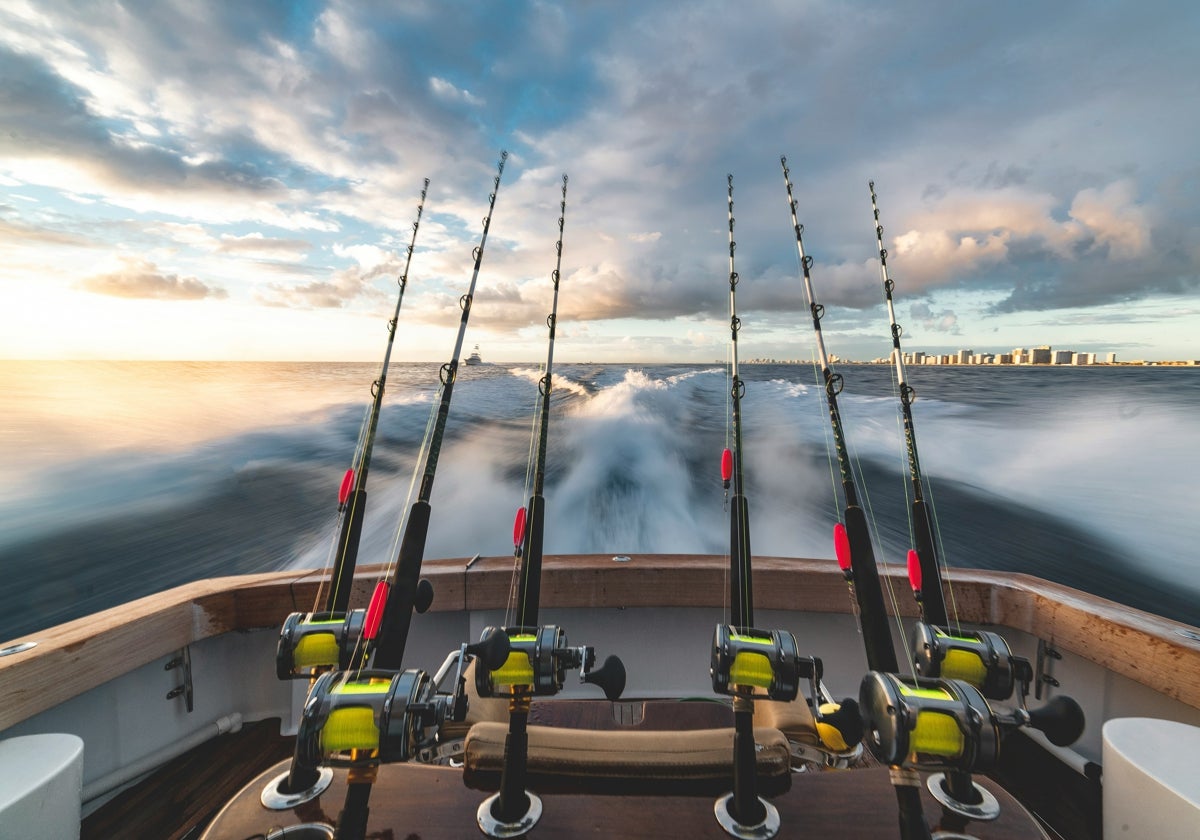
[1061, 720]
[610, 677]
[423, 598]
[492, 650]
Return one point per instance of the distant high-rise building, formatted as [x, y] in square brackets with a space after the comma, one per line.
[1040, 355]
[1111, 358]
[1062, 357]
[964, 357]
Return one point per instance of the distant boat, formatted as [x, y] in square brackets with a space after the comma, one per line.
[474, 358]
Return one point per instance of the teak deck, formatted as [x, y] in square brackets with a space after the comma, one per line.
[181, 797]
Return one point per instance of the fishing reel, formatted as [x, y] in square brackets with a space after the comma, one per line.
[948, 724]
[764, 664]
[759, 663]
[978, 657]
[361, 719]
[538, 658]
[358, 718]
[310, 643]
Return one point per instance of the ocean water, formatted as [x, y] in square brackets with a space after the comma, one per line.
[121, 479]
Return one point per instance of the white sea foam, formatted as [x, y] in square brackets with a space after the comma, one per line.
[633, 457]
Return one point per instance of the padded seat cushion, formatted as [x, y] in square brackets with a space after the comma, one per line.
[683, 755]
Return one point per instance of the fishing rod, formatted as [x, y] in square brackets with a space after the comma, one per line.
[743, 813]
[539, 655]
[945, 657]
[741, 594]
[408, 694]
[852, 540]
[748, 663]
[405, 594]
[852, 543]
[312, 642]
[352, 497]
[531, 520]
[924, 566]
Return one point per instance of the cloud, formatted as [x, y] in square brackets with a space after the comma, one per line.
[341, 289]
[1003, 175]
[445, 90]
[264, 247]
[139, 279]
[19, 233]
[945, 321]
[372, 258]
[47, 117]
[1113, 219]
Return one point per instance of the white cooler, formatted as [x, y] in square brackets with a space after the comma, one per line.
[1151, 782]
[41, 781]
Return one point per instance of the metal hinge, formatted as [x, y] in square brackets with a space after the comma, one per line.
[182, 660]
[1045, 653]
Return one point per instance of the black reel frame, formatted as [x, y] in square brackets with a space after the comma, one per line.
[978, 657]
[312, 643]
[548, 657]
[747, 662]
[947, 724]
[345, 709]
[380, 716]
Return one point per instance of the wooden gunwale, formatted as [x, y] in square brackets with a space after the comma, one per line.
[79, 655]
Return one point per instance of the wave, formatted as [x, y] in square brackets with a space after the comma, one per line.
[1074, 484]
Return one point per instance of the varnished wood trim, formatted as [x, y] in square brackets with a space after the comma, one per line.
[79, 655]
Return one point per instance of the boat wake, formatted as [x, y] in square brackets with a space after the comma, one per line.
[1091, 499]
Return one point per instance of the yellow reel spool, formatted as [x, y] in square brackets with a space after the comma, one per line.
[351, 728]
[749, 662]
[964, 665]
[517, 669]
[316, 649]
[936, 734]
[751, 668]
[312, 643]
[922, 722]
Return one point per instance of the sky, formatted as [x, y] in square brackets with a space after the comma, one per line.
[229, 180]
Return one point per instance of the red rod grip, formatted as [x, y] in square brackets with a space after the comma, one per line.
[375, 610]
[347, 486]
[841, 547]
[519, 527]
[914, 570]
